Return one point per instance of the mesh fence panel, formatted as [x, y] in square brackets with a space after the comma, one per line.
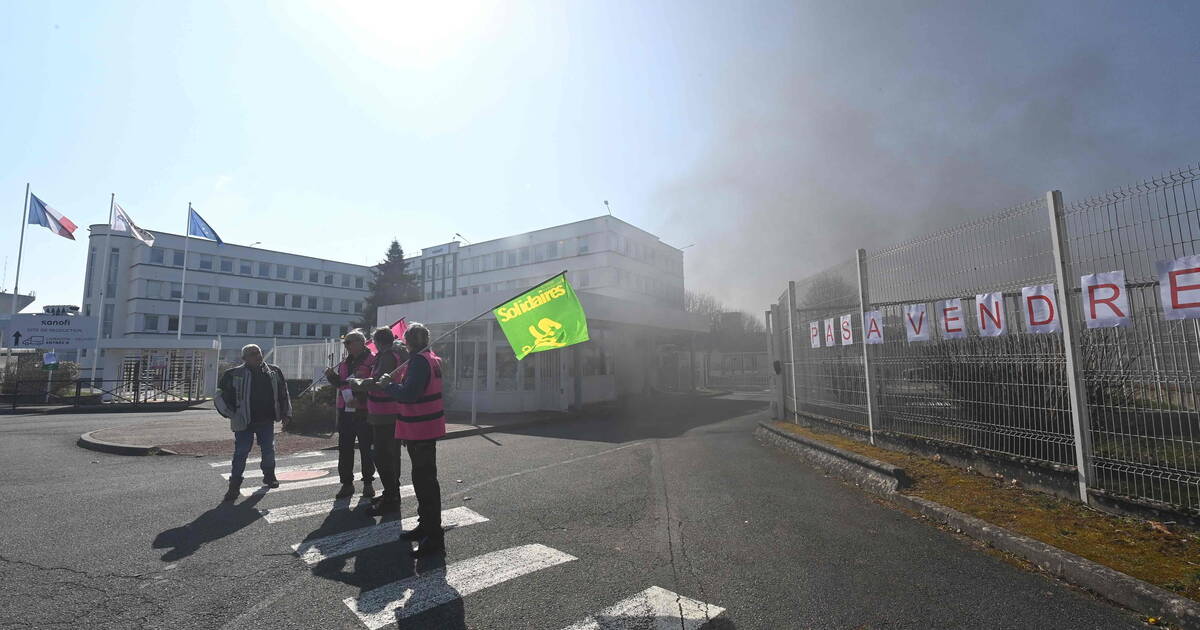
[829, 373]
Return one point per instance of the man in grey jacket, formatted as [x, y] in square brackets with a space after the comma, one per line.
[254, 396]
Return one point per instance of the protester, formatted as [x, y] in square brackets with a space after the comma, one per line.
[381, 416]
[352, 422]
[254, 396]
[418, 388]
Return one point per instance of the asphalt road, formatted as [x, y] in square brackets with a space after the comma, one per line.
[672, 499]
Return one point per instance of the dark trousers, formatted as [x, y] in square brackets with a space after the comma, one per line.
[243, 441]
[387, 459]
[352, 426]
[423, 454]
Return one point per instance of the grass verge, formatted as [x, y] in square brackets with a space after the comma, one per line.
[1162, 554]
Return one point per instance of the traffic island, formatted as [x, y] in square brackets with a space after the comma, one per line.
[1147, 566]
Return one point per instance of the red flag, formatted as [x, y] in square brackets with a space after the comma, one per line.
[398, 330]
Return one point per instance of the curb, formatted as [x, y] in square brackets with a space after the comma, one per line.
[94, 444]
[1111, 584]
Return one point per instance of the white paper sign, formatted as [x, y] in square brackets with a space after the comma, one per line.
[830, 334]
[1179, 287]
[1040, 309]
[990, 314]
[814, 334]
[950, 318]
[916, 322]
[1105, 301]
[873, 327]
[847, 330]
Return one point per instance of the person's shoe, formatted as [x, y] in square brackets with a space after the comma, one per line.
[430, 546]
[232, 492]
[414, 534]
[368, 490]
[271, 483]
[346, 490]
[384, 507]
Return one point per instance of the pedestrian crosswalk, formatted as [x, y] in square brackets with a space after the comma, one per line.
[385, 605]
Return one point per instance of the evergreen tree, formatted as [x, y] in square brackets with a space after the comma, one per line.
[390, 284]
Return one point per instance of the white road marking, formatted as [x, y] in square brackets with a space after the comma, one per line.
[292, 512]
[331, 463]
[654, 608]
[382, 606]
[293, 485]
[255, 460]
[314, 551]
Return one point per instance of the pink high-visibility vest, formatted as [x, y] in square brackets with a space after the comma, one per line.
[362, 370]
[424, 419]
[378, 403]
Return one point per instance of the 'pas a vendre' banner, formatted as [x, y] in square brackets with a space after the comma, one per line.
[1104, 298]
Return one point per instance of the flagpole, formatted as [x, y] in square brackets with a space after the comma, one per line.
[183, 285]
[112, 201]
[20, 248]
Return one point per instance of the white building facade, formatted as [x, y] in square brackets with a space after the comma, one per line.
[631, 286]
[234, 295]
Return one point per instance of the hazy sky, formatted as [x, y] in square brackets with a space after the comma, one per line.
[774, 136]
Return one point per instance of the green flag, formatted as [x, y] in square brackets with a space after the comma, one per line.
[546, 317]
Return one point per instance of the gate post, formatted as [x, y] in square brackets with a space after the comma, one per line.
[792, 352]
[863, 303]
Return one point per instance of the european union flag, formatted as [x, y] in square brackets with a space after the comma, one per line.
[197, 226]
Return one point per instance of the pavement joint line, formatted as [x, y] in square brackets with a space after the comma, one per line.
[382, 606]
[1107, 582]
[291, 485]
[301, 510]
[355, 540]
[538, 469]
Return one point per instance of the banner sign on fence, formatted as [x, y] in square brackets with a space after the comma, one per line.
[950, 318]
[915, 323]
[830, 336]
[51, 332]
[814, 334]
[872, 327]
[847, 330]
[990, 313]
[1105, 302]
[1179, 287]
[1040, 309]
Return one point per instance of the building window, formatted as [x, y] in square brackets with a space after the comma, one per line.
[297, 274]
[281, 272]
[200, 325]
[264, 298]
[277, 329]
[177, 258]
[172, 324]
[203, 293]
[510, 258]
[158, 256]
[326, 331]
[264, 270]
[312, 303]
[243, 296]
[206, 262]
[358, 307]
[150, 323]
[297, 301]
[345, 280]
[314, 276]
[107, 319]
[224, 295]
[153, 289]
[295, 326]
[176, 290]
[310, 330]
[358, 282]
[243, 326]
[327, 304]
[581, 244]
[244, 267]
[110, 286]
[345, 306]
[329, 279]
[222, 325]
[260, 328]
[226, 265]
[281, 300]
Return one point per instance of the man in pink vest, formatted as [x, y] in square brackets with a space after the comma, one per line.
[418, 389]
[352, 423]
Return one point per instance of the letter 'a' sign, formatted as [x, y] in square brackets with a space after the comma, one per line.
[1105, 301]
[873, 327]
[1179, 287]
[830, 333]
[1040, 309]
[989, 311]
[847, 330]
[916, 322]
[814, 334]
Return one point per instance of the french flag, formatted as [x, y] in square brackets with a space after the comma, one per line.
[44, 215]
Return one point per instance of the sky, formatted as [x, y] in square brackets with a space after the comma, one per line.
[777, 137]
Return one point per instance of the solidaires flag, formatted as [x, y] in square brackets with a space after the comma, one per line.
[122, 223]
[546, 317]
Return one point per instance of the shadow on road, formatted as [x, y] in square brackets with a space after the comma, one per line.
[214, 524]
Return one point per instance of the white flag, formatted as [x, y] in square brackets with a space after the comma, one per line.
[122, 223]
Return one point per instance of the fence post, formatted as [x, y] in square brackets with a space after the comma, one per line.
[1080, 422]
[771, 350]
[792, 352]
[78, 388]
[863, 303]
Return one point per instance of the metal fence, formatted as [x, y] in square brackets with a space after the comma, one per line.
[1138, 415]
